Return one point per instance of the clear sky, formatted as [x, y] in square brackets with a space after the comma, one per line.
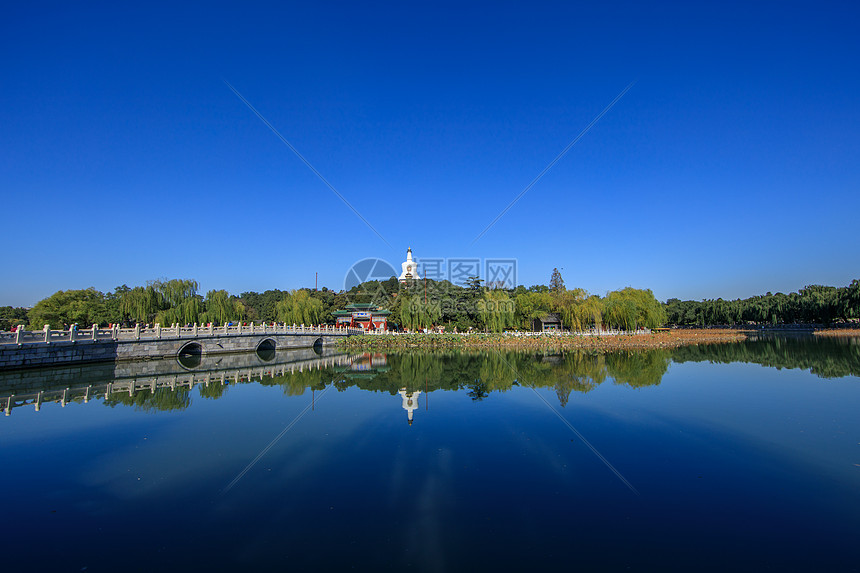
[729, 169]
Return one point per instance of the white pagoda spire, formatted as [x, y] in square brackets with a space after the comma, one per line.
[409, 268]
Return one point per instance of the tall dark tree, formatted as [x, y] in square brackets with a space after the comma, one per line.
[556, 283]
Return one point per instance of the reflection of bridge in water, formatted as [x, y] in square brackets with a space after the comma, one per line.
[86, 382]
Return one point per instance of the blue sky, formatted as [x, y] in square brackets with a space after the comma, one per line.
[729, 169]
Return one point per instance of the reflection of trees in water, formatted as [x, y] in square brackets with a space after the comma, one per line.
[481, 373]
[417, 367]
[478, 391]
[638, 369]
[295, 383]
[827, 358]
[478, 373]
[583, 372]
[163, 399]
[213, 390]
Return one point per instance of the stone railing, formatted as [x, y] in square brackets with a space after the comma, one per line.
[157, 332]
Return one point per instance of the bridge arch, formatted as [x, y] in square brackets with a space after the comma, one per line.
[318, 345]
[190, 355]
[266, 349]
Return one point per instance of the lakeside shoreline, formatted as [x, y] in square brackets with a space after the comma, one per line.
[838, 332]
[671, 339]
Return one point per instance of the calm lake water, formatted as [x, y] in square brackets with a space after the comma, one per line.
[731, 457]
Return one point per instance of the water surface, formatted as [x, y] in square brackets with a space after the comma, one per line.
[740, 457]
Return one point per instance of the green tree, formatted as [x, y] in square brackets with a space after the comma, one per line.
[189, 311]
[630, 308]
[579, 310]
[261, 306]
[496, 310]
[556, 283]
[12, 316]
[414, 312]
[83, 307]
[175, 291]
[299, 307]
[222, 308]
[140, 304]
[532, 305]
[849, 300]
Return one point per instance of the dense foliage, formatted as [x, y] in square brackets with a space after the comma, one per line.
[299, 307]
[85, 307]
[427, 304]
[11, 316]
[813, 304]
[165, 302]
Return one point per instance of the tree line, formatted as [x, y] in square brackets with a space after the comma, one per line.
[424, 304]
[166, 302]
[814, 304]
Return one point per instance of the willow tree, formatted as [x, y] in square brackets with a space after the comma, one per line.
[414, 312]
[630, 308]
[189, 311]
[496, 311]
[299, 307]
[167, 301]
[591, 312]
[531, 305]
[175, 291]
[849, 300]
[222, 308]
[569, 304]
[140, 304]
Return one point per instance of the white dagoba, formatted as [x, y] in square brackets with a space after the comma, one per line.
[409, 268]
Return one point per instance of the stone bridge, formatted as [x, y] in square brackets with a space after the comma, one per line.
[33, 349]
[85, 382]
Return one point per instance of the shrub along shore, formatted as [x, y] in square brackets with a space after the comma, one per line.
[671, 339]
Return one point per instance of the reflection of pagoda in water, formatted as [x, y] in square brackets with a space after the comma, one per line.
[410, 402]
[367, 366]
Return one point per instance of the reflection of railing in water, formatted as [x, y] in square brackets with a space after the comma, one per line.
[129, 378]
